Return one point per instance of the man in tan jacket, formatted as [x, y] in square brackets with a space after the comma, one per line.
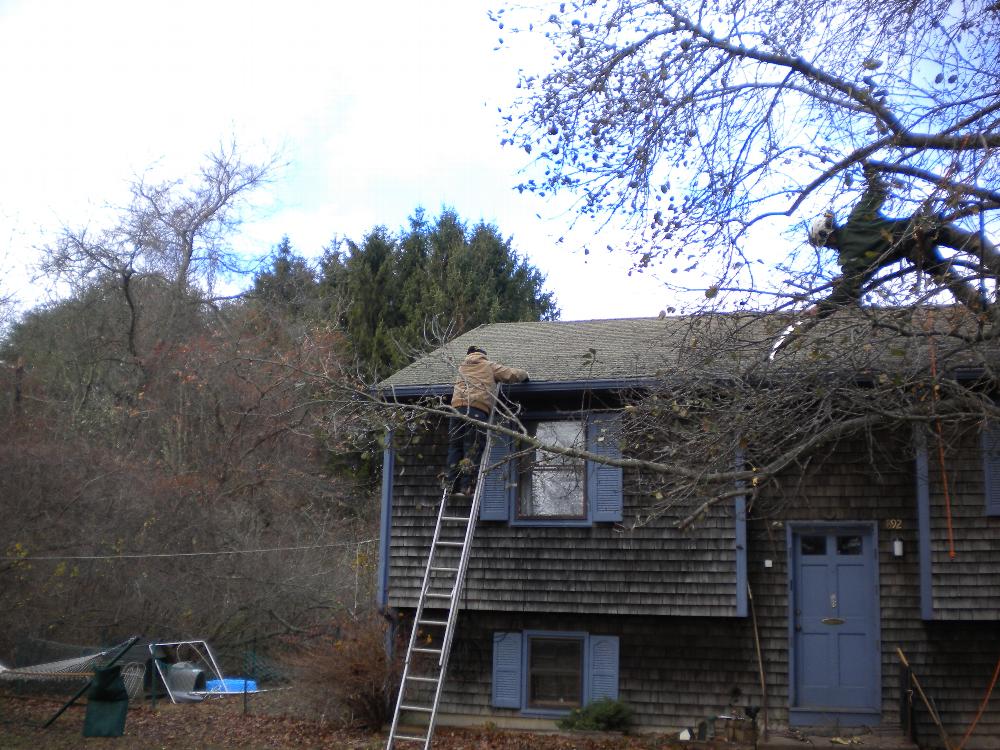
[473, 396]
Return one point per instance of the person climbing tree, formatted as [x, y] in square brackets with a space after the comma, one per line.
[869, 242]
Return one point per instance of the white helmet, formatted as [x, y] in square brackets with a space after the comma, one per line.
[821, 229]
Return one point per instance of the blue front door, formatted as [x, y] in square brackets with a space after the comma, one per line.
[835, 648]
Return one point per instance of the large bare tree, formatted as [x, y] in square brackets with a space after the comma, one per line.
[176, 230]
[715, 127]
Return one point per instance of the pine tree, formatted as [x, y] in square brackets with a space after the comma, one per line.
[432, 281]
[289, 285]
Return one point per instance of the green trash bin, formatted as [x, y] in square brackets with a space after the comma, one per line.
[107, 704]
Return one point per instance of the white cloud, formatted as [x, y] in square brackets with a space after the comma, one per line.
[378, 108]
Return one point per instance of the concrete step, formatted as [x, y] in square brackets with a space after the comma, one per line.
[809, 738]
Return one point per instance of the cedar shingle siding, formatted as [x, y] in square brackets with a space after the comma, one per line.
[653, 570]
[678, 670]
[953, 660]
[966, 587]
[673, 672]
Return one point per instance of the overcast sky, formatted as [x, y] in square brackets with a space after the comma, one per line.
[376, 108]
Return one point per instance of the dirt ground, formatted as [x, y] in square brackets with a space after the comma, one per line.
[223, 723]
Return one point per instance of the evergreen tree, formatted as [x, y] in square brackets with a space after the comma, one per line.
[372, 288]
[290, 285]
[430, 282]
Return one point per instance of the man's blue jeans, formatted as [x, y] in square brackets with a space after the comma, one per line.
[465, 448]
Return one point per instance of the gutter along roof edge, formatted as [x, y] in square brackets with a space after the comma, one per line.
[406, 392]
[409, 392]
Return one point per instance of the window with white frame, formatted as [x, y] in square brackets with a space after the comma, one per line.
[553, 485]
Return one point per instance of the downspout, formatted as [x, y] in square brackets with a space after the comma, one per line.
[384, 539]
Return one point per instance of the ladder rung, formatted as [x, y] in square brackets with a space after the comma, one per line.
[434, 595]
[451, 544]
[409, 737]
[424, 709]
[463, 519]
[444, 570]
[421, 678]
[427, 650]
[442, 623]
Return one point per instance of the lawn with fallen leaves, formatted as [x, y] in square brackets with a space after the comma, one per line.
[227, 723]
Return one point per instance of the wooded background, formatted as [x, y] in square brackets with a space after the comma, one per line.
[181, 464]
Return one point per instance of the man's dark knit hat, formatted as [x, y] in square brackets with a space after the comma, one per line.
[473, 349]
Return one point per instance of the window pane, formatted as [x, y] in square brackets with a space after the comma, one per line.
[565, 434]
[814, 545]
[849, 545]
[555, 666]
[552, 485]
[557, 493]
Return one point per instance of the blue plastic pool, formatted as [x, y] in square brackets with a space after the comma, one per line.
[231, 685]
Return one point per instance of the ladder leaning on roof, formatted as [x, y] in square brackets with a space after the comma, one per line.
[444, 579]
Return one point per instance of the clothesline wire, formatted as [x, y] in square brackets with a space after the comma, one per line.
[146, 555]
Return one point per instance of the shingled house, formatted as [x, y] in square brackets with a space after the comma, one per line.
[567, 604]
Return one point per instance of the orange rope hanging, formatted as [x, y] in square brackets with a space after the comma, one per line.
[982, 706]
[940, 443]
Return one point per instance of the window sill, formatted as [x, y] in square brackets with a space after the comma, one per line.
[569, 522]
[544, 713]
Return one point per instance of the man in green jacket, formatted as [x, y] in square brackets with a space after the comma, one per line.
[473, 396]
[869, 242]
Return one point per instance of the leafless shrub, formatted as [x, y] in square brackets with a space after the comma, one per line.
[347, 672]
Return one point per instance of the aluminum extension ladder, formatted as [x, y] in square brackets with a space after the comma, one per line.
[426, 662]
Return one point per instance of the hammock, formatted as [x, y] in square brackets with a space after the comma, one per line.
[76, 668]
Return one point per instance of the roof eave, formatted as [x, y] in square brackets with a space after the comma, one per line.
[413, 392]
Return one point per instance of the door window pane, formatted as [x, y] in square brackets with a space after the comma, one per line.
[555, 667]
[813, 545]
[849, 545]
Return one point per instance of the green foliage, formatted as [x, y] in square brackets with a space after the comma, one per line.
[395, 295]
[289, 285]
[604, 715]
[433, 281]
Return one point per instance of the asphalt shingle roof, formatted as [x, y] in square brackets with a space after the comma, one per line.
[560, 351]
[712, 345]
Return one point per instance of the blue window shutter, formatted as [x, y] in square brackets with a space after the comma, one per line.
[497, 486]
[604, 483]
[506, 670]
[991, 468]
[602, 674]
[740, 540]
